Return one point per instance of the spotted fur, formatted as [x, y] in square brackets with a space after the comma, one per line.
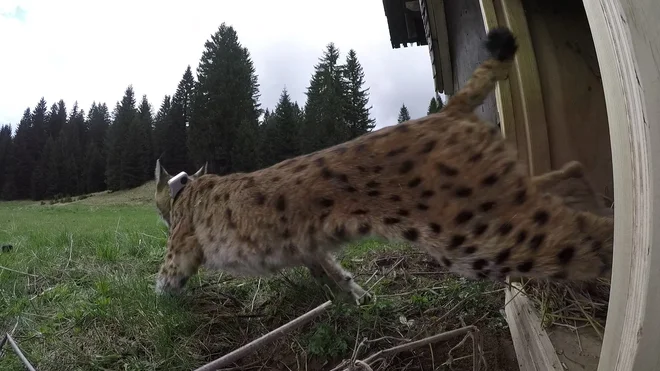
[447, 183]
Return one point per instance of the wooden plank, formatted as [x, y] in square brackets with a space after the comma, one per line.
[435, 27]
[572, 92]
[465, 31]
[627, 40]
[526, 89]
[429, 30]
[534, 349]
[503, 88]
[441, 43]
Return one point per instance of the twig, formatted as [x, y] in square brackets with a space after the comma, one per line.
[43, 292]
[70, 251]
[265, 339]
[449, 312]
[419, 343]
[255, 295]
[386, 273]
[588, 317]
[364, 364]
[19, 353]
[371, 277]
[19, 272]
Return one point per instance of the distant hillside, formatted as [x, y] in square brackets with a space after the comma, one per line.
[141, 195]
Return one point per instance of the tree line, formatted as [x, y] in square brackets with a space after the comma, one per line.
[214, 116]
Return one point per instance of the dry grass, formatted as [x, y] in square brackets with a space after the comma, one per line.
[572, 305]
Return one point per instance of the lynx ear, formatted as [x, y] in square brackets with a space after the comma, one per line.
[202, 170]
[162, 176]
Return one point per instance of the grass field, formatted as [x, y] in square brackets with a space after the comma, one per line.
[77, 292]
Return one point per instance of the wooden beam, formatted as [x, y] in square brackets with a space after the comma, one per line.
[441, 43]
[627, 40]
[435, 26]
[429, 30]
[534, 349]
[503, 88]
[526, 88]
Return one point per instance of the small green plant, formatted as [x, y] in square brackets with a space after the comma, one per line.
[326, 343]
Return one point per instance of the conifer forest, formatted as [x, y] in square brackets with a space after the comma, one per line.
[62, 149]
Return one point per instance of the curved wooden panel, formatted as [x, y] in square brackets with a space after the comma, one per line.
[627, 40]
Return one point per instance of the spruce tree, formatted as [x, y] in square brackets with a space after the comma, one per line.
[38, 135]
[38, 184]
[403, 114]
[187, 86]
[7, 164]
[71, 151]
[244, 155]
[24, 160]
[131, 166]
[325, 124]
[266, 132]
[145, 134]
[283, 136]
[79, 142]
[357, 98]
[95, 161]
[98, 119]
[434, 106]
[5, 156]
[161, 128]
[39, 129]
[123, 116]
[56, 119]
[180, 114]
[225, 97]
[50, 167]
[94, 168]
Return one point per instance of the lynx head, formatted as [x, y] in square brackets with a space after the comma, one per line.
[162, 194]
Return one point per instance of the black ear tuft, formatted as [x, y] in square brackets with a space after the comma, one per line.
[501, 44]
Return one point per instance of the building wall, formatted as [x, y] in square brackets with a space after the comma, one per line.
[466, 33]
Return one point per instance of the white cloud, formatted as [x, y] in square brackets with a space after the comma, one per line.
[91, 51]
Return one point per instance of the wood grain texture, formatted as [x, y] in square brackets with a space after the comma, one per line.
[572, 92]
[534, 349]
[503, 88]
[627, 40]
[466, 35]
[526, 89]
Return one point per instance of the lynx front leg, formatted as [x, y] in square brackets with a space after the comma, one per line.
[184, 256]
[344, 279]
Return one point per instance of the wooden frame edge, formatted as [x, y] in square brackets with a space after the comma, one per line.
[503, 88]
[527, 83]
[627, 40]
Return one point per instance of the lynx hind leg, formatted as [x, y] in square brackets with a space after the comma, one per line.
[547, 181]
[571, 184]
[342, 278]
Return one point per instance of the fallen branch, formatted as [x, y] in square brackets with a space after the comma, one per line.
[265, 339]
[18, 352]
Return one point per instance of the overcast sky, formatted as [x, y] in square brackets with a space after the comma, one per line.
[92, 50]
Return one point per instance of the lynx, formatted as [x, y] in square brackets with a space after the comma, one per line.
[447, 183]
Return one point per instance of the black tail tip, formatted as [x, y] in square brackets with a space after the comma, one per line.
[501, 43]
